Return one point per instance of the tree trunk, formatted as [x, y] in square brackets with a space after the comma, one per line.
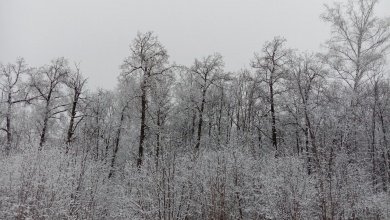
[158, 137]
[117, 141]
[45, 124]
[385, 155]
[273, 118]
[200, 120]
[8, 125]
[220, 120]
[43, 132]
[45, 120]
[70, 132]
[143, 125]
[373, 136]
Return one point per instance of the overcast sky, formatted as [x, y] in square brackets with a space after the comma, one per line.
[97, 33]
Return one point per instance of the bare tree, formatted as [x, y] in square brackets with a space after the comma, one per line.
[271, 68]
[207, 72]
[117, 138]
[47, 83]
[148, 59]
[356, 53]
[359, 40]
[15, 92]
[307, 79]
[76, 84]
[160, 109]
[382, 101]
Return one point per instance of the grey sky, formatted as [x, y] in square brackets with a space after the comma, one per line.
[97, 33]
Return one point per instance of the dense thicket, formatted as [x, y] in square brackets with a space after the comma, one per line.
[295, 136]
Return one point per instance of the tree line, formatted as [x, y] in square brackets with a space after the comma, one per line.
[295, 136]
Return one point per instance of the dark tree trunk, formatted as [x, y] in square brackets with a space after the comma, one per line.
[45, 123]
[220, 119]
[8, 125]
[70, 132]
[143, 125]
[373, 137]
[313, 146]
[200, 124]
[97, 133]
[45, 120]
[43, 132]
[117, 141]
[193, 125]
[385, 154]
[273, 118]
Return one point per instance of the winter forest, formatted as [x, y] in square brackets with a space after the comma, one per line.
[296, 135]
